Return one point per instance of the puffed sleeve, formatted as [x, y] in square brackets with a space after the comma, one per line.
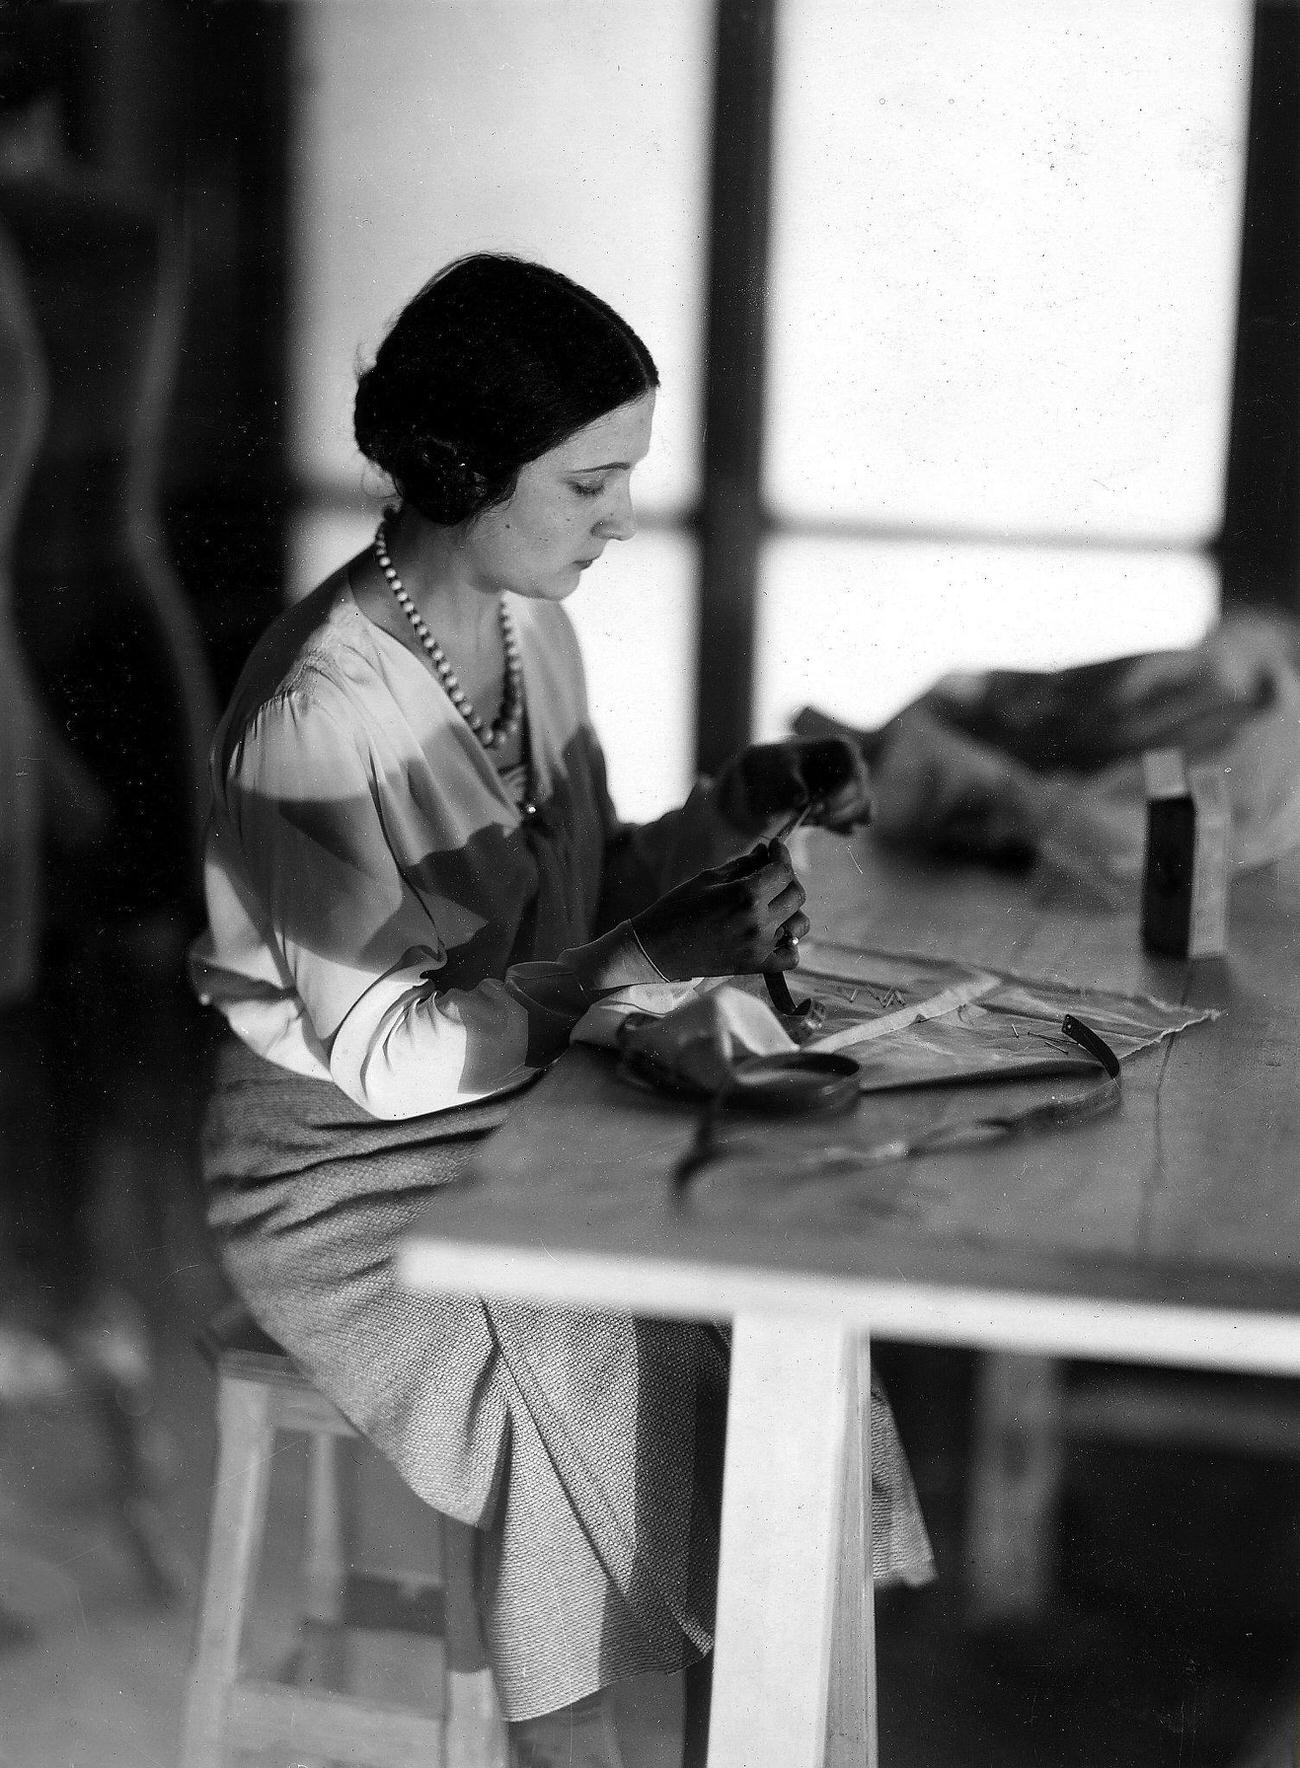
[360, 947]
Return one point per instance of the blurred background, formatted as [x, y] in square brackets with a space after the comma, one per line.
[977, 327]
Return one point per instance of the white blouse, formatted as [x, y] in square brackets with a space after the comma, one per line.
[380, 913]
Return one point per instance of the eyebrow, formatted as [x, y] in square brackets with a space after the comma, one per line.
[608, 466]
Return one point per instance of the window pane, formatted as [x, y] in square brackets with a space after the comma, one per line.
[1005, 252]
[636, 617]
[573, 131]
[320, 540]
[568, 130]
[858, 627]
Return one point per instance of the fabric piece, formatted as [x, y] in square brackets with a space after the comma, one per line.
[944, 1023]
[1015, 766]
[695, 1034]
[900, 1544]
[1100, 822]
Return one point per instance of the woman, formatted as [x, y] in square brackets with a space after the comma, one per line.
[417, 886]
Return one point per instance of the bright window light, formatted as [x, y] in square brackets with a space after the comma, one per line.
[1006, 236]
[859, 627]
[572, 131]
[635, 612]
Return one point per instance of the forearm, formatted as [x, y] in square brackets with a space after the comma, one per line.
[408, 1048]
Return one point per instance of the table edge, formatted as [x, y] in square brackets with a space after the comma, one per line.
[1263, 1341]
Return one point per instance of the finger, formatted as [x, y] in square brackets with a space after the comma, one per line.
[770, 871]
[828, 765]
[777, 858]
[797, 927]
[779, 892]
[845, 811]
[787, 902]
[858, 820]
[749, 898]
[744, 866]
[790, 931]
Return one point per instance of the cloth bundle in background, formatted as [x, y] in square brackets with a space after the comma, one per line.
[1017, 767]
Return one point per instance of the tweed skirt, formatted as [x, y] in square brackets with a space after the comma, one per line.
[586, 1445]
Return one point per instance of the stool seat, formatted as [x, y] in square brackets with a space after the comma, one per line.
[260, 1393]
[232, 1332]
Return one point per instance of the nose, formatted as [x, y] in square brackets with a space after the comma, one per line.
[619, 521]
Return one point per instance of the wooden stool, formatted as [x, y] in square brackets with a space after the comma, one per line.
[260, 1392]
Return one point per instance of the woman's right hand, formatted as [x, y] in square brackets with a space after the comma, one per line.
[732, 920]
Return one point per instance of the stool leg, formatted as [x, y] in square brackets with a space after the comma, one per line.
[476, 1733]
[321, 1660]
[234, 1540]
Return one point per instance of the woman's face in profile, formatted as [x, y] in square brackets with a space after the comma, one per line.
[569, 503]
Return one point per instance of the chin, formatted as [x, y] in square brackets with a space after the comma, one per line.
[562, 586]
[550, 589]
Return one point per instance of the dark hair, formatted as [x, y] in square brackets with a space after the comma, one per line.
[494, 362]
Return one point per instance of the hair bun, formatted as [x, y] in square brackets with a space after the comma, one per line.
[430, 472]
[439, 481]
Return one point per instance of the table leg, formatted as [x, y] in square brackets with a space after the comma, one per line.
[851, 1718]
[794, 1672]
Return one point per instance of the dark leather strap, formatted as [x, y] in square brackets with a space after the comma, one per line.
[1052, 1114]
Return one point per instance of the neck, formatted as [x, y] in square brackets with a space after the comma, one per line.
[431, 565]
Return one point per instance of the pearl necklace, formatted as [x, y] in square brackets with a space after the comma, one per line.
[510, 717]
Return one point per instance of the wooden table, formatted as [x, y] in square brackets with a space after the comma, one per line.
[1168, 1232]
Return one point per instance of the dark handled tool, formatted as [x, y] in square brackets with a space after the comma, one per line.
[778, 991]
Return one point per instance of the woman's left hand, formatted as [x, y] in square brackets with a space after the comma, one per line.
[769, 782]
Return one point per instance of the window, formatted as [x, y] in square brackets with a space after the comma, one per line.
[1004, 254]
[1000, 314]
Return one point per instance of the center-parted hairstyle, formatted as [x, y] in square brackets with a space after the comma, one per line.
[494, 362]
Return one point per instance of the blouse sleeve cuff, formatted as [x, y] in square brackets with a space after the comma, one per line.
[616, 960]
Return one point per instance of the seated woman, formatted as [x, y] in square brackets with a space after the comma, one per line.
[417, 886]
